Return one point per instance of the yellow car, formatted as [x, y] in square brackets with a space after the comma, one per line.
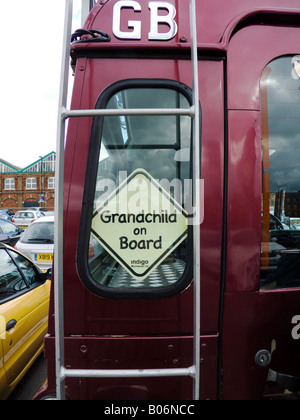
[24, 304]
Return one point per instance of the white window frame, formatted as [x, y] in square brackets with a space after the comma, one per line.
[51, 183]
[9, 184]
[31, 183]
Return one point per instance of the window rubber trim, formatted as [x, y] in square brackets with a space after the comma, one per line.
[88, 199]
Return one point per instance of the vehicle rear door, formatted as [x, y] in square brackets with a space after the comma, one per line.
[3, 381]
[161, 316]
[262, 289]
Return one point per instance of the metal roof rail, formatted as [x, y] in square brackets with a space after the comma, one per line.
[86, 7]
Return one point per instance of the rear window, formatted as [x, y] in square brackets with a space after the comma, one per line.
[39, 233]
[24, 215]
[134, 236]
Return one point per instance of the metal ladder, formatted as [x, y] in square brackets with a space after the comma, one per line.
[63, 114]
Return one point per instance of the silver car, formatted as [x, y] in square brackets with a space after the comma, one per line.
[24, 218]
[37, 242]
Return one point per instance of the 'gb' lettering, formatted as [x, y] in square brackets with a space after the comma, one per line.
[156, 19]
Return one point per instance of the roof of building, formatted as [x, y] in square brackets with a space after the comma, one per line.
[44, 164]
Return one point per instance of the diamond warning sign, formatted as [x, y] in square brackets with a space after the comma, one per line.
[140, 224]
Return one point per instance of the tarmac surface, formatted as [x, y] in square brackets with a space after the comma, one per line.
[32, 381]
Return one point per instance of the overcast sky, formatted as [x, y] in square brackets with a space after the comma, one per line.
[31, 50]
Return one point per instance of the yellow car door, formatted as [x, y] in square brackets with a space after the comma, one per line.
[3, 381]
[24, 303]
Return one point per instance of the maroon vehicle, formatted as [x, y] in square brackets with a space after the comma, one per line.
[141, 134]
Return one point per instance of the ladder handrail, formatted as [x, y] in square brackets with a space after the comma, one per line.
[58, 209]
[194, 112]
[197, 197]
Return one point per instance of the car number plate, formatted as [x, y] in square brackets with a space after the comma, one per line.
[43, 257]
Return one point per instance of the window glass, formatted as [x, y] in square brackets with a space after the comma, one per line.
[7, 227]
[51, 183]
[28, 269]
[9, 184]
[280, 101]
[11, 280]
[39, 233]
[150, 151]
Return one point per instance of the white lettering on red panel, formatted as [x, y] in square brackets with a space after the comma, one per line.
[156, 19]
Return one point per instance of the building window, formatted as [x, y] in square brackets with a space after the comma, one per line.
[51, 183]
[31, 184]
[9, 184]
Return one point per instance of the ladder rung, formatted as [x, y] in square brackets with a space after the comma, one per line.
[190, 112]
[126, 373]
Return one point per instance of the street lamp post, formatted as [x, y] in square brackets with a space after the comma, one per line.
[42, 198]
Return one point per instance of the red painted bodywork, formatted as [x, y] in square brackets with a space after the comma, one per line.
[237, 319]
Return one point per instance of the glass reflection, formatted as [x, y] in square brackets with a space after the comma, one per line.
[280, 265]
[158, 144]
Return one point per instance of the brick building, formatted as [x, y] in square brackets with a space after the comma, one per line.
[32, 186]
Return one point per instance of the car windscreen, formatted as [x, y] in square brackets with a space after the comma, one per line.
[39, 233]
[7, 227]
